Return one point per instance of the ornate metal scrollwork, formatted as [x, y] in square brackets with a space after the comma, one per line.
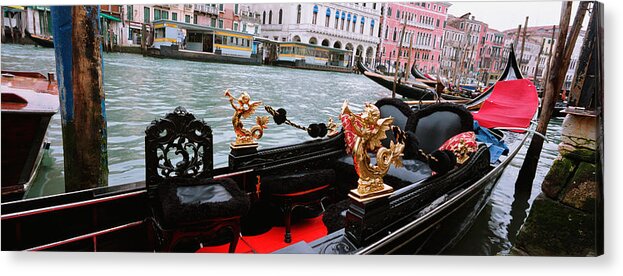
[178, 145]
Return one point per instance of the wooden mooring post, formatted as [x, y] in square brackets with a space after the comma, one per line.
[78, 55]
[397, 66]
[567, 217]
[523, 41]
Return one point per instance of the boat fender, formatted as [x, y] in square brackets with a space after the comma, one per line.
[441, 161]
[317, 130]
[280, 117]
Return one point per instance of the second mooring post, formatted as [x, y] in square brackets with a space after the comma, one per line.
[560, 63]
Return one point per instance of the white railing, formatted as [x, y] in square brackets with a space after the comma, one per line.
[360, 8]
[420, 25]
[274, 27]
[320, 30]
[338, 33]
[206, 9]
[423, 47]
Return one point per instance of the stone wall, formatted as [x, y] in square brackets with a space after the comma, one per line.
[562, 220]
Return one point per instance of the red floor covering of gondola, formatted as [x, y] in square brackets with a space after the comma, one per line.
[304, 230]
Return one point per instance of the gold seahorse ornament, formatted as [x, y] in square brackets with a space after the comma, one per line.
[369, 130]
[243, 110]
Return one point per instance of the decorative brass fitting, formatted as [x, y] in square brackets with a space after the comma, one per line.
[243, 110]
[370, 129]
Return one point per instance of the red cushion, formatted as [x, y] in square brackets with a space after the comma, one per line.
[462, 145]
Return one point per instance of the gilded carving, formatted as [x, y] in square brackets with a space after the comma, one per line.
[369, 130]
[243, 110]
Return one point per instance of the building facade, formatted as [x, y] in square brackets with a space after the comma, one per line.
[348, 26]
[423, 23]
[534, 37]
[464, 39]
[491, 54]
[134, 16]
[223, 16]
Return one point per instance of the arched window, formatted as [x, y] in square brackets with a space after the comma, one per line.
[343, 17]
[264, 18]
[337, 18]
[315, 15]
[354, 22]
[280, 16]
[397, 13]
[372, 27]
[298, 14]
[394, 35]
[348, 22]
[327, 18]
[363, 23]
[270, 17]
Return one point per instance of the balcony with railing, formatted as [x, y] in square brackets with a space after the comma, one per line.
[338, 33]
[359, 8]
[250, 17]
[207, 9]
[421, 25]
[319, 30]
[423, 47]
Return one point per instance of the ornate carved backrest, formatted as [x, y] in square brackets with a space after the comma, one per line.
[177, 146]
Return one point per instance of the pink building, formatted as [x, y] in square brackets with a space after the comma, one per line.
[229, 17]
[466, 46]
[425, 22]
[223, 16]
[491, 52]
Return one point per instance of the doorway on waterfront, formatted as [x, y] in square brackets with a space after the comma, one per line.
[208, 43]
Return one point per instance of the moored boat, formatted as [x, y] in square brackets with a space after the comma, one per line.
[426, 213]
[415, 90]
[42, 41]
[29, 100]
[511, 72]
[422, 77]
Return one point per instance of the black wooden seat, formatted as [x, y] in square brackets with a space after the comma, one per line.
[186, 203]
[294, 189]
[397, 109]
[437, 123]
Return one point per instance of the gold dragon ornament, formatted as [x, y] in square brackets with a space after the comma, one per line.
[243, 110]
[369, 130]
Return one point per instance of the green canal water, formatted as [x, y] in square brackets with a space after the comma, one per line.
[139, 90]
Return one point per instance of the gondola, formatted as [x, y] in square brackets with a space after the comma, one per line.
[511, 72]
[410, 89]
[426, 214]
[418, 74]
[45, 42]
[425, 78]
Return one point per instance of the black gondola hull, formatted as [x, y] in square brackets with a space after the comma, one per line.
[416, 93]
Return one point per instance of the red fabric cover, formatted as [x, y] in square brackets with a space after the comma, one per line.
[306, 230]
[462, 145]
[511, 104]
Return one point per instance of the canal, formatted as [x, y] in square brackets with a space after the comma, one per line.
[139, 90]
